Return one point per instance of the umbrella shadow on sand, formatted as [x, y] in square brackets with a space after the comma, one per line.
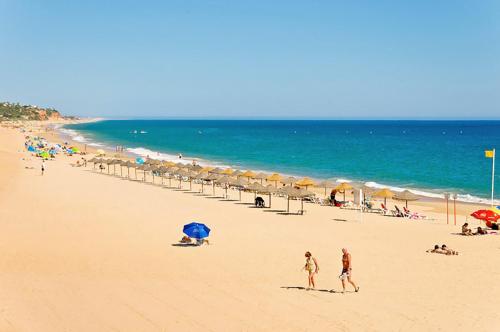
[184, 245]
[310, 290]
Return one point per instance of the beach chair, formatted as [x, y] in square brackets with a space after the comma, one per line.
[368, 207]
[399, 213]
[350, 206]
[386, 211]
[406, 211]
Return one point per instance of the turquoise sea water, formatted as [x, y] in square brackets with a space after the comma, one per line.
[430, 156]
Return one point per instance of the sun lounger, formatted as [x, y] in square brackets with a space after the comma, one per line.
[399, 213]
[387, 212]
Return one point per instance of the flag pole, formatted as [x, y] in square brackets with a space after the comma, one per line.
[493, 177]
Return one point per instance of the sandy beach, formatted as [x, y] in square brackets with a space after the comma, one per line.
[84, 251]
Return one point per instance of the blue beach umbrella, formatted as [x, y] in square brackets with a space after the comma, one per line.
[196, 230]
[31, 148]
[139, 161]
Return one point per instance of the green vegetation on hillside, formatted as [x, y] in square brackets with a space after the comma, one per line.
[16, 111]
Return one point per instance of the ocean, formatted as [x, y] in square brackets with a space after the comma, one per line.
[429, 157]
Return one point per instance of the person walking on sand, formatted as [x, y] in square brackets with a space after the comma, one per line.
[43, 166]
[312, 268]
[347, 270]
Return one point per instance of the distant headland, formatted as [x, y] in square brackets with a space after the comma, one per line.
[16, 111]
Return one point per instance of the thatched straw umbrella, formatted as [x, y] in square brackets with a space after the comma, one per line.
[237, 173]
[305, 182]
[289, 181]
[168, 164]
[255, 188]
[149, 168]
[343, 187]
[196, 168]
[162, 170]
[224, 180]
[216, 170]
[181, 174]
[191, 175]
[406, 196]
[292, 192]
[202, 176]
[325, 184]
[206, 169]
[269, 190]
[154, 169]
[227, 171]
[109, 162]
[119, 163]
[135, 165]
[260, 176]
[212, 177]
[93, 161]
[143, 168]
[170, 171]
[249, 175]
[128, 164]
[238, 183]
[274, 178]
[385, 194]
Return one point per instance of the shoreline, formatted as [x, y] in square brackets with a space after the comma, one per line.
[143, 152]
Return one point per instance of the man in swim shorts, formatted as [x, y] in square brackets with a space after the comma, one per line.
[347, 270]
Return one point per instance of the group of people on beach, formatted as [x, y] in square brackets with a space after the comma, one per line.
[312, 268]
[467, 231]
[442, 250]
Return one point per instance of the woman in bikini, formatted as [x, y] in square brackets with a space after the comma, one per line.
[312, 268]
[347, 270]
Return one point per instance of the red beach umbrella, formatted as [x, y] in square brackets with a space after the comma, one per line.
[486, 215]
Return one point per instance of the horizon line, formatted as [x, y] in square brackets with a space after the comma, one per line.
[215, 118]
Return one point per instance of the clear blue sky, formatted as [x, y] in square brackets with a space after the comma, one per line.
[298, 59]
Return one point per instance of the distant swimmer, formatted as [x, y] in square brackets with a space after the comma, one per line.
[180, 155]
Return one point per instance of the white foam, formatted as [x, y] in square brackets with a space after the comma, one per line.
[460, 197]
[73, 134]
[147, 153]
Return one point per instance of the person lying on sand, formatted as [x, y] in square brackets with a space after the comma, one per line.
[481, 231]
[202, 242]
[186, 239]
[436, 250]
[448, 250]
[466, 230]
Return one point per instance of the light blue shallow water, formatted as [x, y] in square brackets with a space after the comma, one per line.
[435, 156]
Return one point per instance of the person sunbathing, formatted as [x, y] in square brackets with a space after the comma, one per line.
[481, 231]
[436, 250]
[466, 230]
[186, 240]
[448, 251]
[201, 242]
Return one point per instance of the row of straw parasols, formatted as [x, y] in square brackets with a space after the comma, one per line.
[242, 179]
